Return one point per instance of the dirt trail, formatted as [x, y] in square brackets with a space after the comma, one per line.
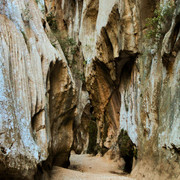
[90, 168]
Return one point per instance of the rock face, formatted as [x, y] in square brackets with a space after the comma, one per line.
[123, 101]
[37, 94]
[133, 81]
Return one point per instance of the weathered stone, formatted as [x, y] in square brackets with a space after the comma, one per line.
[133, 83]
[35, 118]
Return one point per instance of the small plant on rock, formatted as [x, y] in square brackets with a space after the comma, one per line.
[155, 24]
[51, 19]
[37, 1]
[68, 46]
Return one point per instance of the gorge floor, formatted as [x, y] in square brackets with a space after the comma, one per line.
[89, 167]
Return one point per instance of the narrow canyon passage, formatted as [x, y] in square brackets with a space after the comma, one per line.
[90, 167]
[89, 89]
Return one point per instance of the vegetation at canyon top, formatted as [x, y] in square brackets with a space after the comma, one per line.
[68, 45]
[37, 1]
[162, 15]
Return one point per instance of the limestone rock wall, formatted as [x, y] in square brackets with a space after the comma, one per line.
[37, 92]
[132, 81]
[126, 86]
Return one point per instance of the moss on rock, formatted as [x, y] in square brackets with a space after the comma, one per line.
[92, 137]
[127, 150]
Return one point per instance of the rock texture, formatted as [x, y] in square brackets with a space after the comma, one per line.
[123, 101]
[37, 94]
[133, 82]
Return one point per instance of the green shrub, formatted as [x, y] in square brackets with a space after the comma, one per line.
[68, 46]
[127, 149]
[161, 15]
[51, 19]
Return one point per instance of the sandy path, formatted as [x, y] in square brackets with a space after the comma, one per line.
[90, 168]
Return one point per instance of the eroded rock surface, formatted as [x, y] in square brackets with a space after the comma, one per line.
[124, 82]
[30, 118]
[133, 82]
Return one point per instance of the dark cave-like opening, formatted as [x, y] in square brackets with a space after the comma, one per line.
[127, 150]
